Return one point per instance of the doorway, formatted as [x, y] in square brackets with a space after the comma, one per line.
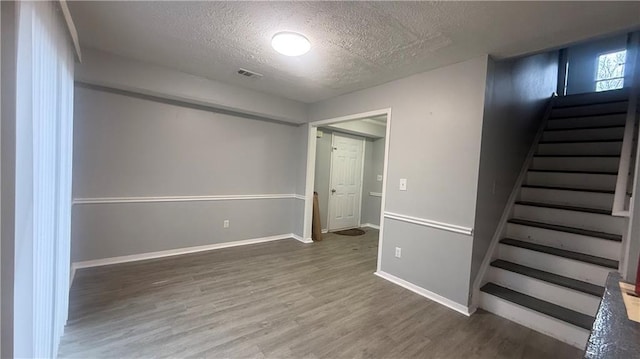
[347, 166]
[345, 181]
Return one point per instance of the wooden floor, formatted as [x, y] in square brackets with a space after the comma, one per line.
[279, 299]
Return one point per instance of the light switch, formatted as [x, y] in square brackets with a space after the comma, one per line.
[379, 178]
[403, 184]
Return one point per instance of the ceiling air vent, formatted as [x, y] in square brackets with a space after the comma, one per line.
[250, 74]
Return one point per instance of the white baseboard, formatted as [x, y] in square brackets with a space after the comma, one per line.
[427, 294]
[303, 240]
[370, 225]
[175, 252]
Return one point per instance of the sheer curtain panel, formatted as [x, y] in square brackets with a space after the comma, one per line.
[44, 127]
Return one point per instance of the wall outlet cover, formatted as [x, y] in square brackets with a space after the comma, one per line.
[226, 223]
[403, 184]
[379, 178]
[398, 252]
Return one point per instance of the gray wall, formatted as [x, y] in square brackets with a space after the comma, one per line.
[373, 166]
[516, 97]
[7, 172]
[583, 58]
[436, 125]
[130, 147]
[106, 69]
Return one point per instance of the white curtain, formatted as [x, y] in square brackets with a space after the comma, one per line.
[44, 131]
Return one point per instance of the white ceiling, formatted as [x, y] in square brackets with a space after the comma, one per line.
[355, 45]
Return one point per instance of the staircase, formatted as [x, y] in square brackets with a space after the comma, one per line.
[561, 240]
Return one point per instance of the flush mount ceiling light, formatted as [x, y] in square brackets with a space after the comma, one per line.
[290, 43]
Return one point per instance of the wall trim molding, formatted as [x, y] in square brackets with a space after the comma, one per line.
[303, 240]
[370, 225]
[300, 196]
[375, 194]
[426, 293]
[429, 223]
[175, 252]
[151, 199]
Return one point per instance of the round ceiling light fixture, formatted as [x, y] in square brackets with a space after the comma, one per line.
[290, 43]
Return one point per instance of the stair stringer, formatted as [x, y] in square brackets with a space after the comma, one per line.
[492, 251]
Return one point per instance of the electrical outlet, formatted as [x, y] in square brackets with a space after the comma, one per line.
[398, 252]
[379, 178]
[403, 184]
[226, 223]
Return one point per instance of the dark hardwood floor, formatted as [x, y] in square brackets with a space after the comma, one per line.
[279, 299]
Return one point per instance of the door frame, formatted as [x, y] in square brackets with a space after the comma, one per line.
[311, 170]
[364, 145]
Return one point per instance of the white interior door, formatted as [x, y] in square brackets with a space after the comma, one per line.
[345, 192]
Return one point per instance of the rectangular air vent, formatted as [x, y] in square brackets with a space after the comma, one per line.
[248, 73]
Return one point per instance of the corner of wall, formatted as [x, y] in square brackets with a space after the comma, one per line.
[516, 96]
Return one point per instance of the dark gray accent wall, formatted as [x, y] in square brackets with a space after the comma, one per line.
[517, 94]
[582, 59]
[131, 147]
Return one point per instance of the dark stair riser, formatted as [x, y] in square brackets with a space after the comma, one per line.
[548, 277]
[580, 257]
[566, 315]
[569, 189]
[573, 230]
[563, 207]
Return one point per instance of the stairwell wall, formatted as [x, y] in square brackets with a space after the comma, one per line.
[517, 93]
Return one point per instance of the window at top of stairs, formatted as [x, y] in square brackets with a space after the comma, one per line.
[610, 71]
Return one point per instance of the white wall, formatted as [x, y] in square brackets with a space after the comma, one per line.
[130, 147]
[517, 93]
[101, 68]
[434, 143]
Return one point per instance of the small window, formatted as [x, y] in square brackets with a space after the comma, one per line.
[610, 71]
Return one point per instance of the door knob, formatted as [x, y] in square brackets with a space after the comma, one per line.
[333, 191]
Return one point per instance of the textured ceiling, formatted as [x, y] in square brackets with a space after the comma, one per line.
[355, 45]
